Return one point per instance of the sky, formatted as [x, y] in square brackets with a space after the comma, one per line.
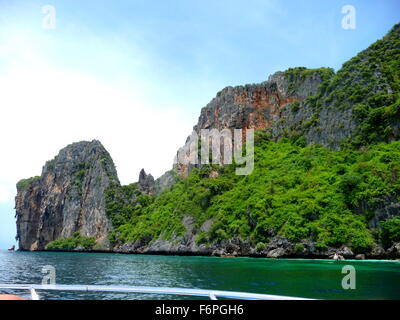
[135, 74]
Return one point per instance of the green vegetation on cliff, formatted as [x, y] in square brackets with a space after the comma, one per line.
[297, 192]
[77, 241]
[368, 84]
[25, 183]
[357, 106]
[390, 231]
[124, 206]
[377, 95]
[297, 75]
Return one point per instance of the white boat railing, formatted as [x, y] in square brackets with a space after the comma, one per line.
[211, 294]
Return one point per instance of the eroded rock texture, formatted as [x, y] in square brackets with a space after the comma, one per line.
[255, 106]
[68, 197]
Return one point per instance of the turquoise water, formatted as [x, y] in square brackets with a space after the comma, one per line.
[292, 277]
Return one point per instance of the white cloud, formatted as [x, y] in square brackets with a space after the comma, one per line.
[44, 109]
[45, 106]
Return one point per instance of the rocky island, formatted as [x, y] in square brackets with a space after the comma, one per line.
[68, 197]
[326, 177]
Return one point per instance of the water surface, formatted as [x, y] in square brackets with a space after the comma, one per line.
[319, 279]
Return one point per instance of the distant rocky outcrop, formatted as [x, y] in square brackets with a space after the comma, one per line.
[146, 183]
[68, 197]
[149, 186]
[166, 181]
[278, 247]
[254, 106]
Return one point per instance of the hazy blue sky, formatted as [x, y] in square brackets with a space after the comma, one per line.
[135, 74]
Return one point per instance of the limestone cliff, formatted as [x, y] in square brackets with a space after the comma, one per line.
[146, 183]
[255, 106]
[69, 196]
[354, 104]
[149, 186]
[359, 104]
[317, 105]
[355, 108]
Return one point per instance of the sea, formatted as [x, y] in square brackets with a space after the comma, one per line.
[306, 278]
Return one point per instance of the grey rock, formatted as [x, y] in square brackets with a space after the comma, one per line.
[337, 257]
[146, 183]
[68, 197]
[276, 253]
[385, 208]
[376, 252]
[394, 250]
[218, 252]
[254, 106]
[206, 226]
[279, 247]
[166, 181]
[346, 252]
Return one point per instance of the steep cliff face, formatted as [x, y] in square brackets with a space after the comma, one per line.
[146, 183]
[68, 197]
[149, 186]
[299, 201]
[358, 105]
[318, 105]
[256, 106]
[355, 112]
